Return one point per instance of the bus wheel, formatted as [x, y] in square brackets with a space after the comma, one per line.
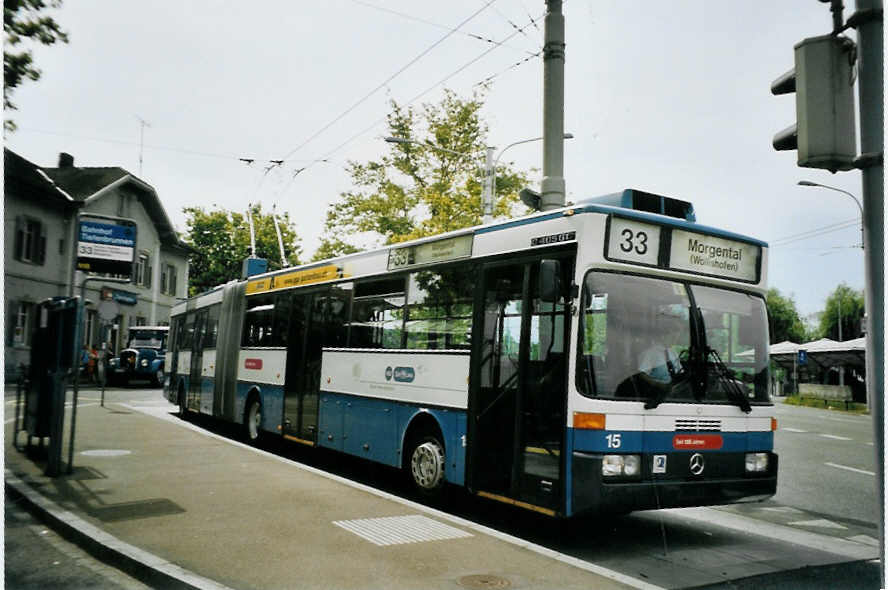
[427, 462]
[157, 378]
[252, 420]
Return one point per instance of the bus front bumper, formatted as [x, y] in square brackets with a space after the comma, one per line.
[724, 485]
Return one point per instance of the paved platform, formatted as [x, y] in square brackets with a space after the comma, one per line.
[179, 507]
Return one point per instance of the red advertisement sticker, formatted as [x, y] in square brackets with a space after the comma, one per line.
[253, 364]
[706, 442]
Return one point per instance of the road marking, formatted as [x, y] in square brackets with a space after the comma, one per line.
[865, 539]
[820, 542]
[398, 530]
[834, 437]
[787, 429]
[863, 471]
[783, 509]
[821, 523]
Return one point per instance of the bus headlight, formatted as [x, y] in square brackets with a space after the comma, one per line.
[756, 462]
[144, 362]
[617, 465]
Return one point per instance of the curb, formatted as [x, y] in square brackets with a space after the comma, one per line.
[145, 567]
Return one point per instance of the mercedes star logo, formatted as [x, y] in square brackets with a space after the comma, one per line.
[697, 464]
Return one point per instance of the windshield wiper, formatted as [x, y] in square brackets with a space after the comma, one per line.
[734, 391]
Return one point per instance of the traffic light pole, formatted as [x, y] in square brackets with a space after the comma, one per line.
[868, 21]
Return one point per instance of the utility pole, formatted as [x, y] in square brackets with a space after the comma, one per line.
[867, 19]
[553, 188]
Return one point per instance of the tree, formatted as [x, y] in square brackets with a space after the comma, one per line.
[222, 241]
[416, 190]
[24, 19]
[847, 304]
[785, 320]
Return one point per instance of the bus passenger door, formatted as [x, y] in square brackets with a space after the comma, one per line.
[321, 319]
[518, 388]
[294, 376]
[195, 378]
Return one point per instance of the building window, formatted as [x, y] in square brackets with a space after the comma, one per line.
[20, 323]
[168, 280]
[30, 241]
[142, 270]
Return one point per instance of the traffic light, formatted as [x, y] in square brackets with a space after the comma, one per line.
[823, 82]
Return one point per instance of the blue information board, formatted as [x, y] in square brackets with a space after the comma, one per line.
[106, 247]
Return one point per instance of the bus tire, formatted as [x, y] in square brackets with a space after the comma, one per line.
[426, 462]
[253, 419]
[157, 378]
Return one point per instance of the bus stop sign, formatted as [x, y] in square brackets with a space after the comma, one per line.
[803, 357]
[106, 247]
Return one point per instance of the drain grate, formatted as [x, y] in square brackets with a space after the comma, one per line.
[398, 530]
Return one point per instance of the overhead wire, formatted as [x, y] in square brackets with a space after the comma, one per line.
[813, 233]
[434, 24]
[420, 95]
[224, 156]
[386, 81]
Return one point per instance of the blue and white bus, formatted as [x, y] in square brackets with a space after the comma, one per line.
[611, 355]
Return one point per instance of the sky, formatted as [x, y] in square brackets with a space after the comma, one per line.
[668, 97]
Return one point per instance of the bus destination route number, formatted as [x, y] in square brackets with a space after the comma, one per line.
[632, 241]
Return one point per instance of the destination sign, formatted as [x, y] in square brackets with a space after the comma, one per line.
[106, 247]
[633, 241]
[429, 252]
[714, 256]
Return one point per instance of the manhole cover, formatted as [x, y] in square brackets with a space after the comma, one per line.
[105, 453]
[482, 581]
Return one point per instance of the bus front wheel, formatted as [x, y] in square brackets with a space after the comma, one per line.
[427, 463]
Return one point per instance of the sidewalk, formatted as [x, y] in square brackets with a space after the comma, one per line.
[180, 508]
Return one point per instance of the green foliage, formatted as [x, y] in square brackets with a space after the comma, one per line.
[24, 19]
[844, 303]
[222, 241]
[850, 407]
[785, 321]
[416, 190]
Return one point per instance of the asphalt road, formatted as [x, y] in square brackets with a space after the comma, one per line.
[825, 466]
[36, 557]
[827, 463]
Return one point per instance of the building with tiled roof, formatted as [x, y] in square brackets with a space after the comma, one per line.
[41, 209]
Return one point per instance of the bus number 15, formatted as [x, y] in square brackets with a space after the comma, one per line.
[614, 441]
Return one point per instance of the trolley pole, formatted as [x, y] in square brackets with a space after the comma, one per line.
[553, 188]
[868, 21]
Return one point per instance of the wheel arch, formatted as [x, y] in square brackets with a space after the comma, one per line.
[422, 423]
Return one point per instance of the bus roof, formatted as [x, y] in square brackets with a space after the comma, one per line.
[630, 203]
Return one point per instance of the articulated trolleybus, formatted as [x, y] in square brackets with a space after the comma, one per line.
[609, 356]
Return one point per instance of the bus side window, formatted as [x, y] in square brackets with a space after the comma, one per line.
[439, 313]
[336, 307]
[377, 317]
[212, 328]
[258, 321]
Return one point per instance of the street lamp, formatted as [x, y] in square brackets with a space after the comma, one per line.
[838, 190]
[489, 187]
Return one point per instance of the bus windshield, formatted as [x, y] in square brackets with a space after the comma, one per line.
[657, 340]
[147, 338]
